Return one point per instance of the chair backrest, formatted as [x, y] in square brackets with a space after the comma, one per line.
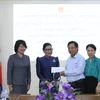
[56, 77]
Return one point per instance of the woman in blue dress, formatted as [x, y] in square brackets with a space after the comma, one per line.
[92, 71]
[45, 63]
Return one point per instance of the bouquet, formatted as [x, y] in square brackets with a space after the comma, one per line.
[51, 92]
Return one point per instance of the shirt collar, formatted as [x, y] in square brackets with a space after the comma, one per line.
[19, 56]
[77, 54]
[47, 57]
[93, 59]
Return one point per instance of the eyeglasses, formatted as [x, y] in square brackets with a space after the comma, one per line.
[71, 47]
[50, 49]
[22, 47]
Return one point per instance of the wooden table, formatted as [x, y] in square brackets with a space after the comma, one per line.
[88, 97]
[22, 97]
[32, 97]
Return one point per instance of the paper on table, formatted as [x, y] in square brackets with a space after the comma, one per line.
[57, 69]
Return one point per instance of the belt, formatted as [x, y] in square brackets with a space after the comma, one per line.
[73, 83]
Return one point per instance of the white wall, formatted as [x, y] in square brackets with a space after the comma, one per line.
[6, 35]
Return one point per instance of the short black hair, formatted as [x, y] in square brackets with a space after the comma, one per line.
[92, 46]
[73, 42]
[46, 44]
[18, 42]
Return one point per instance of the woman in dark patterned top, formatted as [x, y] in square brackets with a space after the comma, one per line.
[44, 64]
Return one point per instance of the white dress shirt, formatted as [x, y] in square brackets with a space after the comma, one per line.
[75, 68]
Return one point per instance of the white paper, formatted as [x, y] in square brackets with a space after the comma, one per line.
[57, 69]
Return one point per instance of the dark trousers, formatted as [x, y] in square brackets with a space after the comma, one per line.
[91, 83]
[79, 85]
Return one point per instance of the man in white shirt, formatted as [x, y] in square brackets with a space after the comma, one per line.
[75, 66]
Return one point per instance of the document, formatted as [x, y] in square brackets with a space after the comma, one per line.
[57, 69]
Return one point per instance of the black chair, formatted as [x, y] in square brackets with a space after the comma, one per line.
[56, 77]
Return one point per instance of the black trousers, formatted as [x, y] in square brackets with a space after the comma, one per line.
[91, 83]
[79, 85]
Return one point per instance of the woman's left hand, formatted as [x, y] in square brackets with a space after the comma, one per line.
[98, 89]
[28, 87]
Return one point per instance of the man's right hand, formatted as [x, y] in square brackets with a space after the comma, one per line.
[62, 73]
[10, 87]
